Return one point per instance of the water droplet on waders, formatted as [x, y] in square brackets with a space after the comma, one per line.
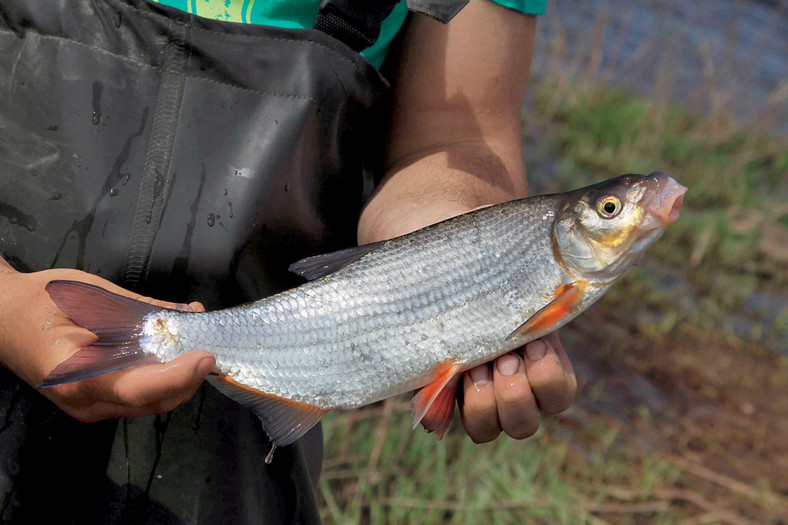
[211, 219]
[98, 88]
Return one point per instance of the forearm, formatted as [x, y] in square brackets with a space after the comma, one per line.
[441, 184]
[454, 140]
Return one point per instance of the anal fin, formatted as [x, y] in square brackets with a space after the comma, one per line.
[284, 420]
[433, 405]
[567, 298]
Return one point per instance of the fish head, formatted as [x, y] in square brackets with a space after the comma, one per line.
[604, 229]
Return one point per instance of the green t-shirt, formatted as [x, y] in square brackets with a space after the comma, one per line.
[301, 14]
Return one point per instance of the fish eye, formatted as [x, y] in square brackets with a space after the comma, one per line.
[608, 206]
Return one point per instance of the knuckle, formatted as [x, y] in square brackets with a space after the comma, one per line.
[185, 398]
[558, 404]
[547, 372]
[83, 416]
[484, 437]
[475, 406]
[165, 406]
[524, 430]
[130, 399]
[554, 407]
[514, 395]
[556, 396]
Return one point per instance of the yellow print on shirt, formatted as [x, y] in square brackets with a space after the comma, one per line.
[224, 10]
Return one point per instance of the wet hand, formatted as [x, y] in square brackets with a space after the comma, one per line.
[509, 394]
[35, 336]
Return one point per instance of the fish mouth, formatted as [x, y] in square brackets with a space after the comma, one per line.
[664, 204]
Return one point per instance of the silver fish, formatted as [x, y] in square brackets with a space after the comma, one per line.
[391, 317]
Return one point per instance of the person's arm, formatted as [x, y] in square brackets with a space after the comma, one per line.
[454, 145]
[35, 336]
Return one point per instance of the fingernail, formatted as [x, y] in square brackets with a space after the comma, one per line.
[204, 367]
[508, 365]
[535, 350]
[480, 375]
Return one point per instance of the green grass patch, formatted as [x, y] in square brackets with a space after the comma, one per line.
[728, 244]
[380, 471]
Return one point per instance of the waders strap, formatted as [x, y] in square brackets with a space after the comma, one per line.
[356, 23]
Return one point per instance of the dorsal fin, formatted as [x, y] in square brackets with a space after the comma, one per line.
[318, 266]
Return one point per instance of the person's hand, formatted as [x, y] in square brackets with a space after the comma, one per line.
[35, 336]
[509, 393]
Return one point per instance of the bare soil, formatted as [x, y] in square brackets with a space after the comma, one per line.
[714, 407]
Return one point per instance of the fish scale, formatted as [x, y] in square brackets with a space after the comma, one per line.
[391, 317]
[466, 278]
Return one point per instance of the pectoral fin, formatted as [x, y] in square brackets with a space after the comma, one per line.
[433, 405]
[567, 298]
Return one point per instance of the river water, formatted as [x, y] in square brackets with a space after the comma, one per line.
[713, 56]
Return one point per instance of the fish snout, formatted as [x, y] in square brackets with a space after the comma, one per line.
[666, 200]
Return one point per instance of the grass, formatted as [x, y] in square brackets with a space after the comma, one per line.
[379, 471]
[728, 242]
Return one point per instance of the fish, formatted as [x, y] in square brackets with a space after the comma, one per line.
[405, 314]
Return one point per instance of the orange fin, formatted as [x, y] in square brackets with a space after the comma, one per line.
[433, 405]
[284, 420]
[439, 415]
[567, 298]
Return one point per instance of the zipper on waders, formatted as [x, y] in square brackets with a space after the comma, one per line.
[153, 181]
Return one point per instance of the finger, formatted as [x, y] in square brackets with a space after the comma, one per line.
[181, 307]
[558, 346]
[552, 378]
[517, 410]
[176, 380]
[478, 410]
[101, 410]
[196, 306]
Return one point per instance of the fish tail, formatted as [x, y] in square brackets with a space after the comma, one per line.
[117, 322]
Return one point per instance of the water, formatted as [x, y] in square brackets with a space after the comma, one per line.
[728, 55]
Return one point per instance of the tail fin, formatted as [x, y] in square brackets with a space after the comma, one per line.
[117, 322]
